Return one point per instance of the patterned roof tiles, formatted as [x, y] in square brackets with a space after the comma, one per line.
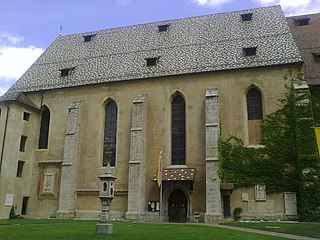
[190, 45]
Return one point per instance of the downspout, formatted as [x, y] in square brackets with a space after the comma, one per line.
[4, 137]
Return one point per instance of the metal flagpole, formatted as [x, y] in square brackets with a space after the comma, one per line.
[160, 207]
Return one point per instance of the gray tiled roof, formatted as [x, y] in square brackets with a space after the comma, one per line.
[191, 45]
[307, 39]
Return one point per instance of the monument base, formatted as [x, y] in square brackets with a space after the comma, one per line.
[212, 218]
[104, 228]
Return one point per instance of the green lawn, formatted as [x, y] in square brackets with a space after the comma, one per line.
[23, 229]
[301, 229]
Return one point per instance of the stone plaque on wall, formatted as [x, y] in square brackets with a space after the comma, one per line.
[245, 197]
[48, 183]
[9, 200]
[290, 203]
[260, 192]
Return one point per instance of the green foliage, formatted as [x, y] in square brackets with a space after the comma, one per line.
[307, 158]
[271, 165]
[12, 214]
[289, 161]
[237, 213]
[315, 99]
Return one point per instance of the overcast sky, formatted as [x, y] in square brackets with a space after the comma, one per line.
[28, 27]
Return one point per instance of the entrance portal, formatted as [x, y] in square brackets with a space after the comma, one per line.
[177, 206]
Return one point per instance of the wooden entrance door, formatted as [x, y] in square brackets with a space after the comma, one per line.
[177, 206]
[226, 206]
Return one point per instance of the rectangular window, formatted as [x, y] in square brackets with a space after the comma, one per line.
[26, 116]
[302, 21]
[152, 61]
[64, 72]
[163, 28]
[20, 168]
[246, 17]
[23, 141]
[251, 51]
[88, 38]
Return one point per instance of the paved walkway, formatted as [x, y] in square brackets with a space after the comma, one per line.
[284, 235]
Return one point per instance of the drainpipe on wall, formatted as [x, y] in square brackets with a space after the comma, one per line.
[4, 137]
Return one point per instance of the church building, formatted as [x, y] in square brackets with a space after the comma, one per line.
[124, 95]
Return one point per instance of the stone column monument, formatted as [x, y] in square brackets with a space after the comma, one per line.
[71, 156]
[137, 169]
[213, 195]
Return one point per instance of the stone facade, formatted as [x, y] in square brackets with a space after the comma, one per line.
[211, 74]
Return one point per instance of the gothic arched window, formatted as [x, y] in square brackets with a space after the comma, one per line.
[178, 131]
[254, 104]
[110, 133]
[44, 128]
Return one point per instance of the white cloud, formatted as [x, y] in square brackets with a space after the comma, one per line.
[14, 60]
[212, 3]
[8, 39]
[291, 7]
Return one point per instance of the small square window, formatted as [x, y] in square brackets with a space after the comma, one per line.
[88, 38]
[316, 57]
[302, 21]
[26, 116]
[251, 51]
[66, 71]
[246, 17]
[163, 28]
[152, 61]
[20, 168]
[23, 141]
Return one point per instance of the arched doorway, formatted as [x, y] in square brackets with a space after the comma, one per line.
[177, 206]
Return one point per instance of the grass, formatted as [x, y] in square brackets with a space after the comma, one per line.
[79, 229]
[301, 229]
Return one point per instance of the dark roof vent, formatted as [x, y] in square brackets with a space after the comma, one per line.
[163, 28]
[302, 21]
[251, 51]
[66, 71]
[88, 38]
[152, 61]
[246, 17]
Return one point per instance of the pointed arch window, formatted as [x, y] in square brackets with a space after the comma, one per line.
[178, 131]
[44, 128]
[254, 104]
[110, 133]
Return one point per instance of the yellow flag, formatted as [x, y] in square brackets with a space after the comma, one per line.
[317, 129]
[159, 172]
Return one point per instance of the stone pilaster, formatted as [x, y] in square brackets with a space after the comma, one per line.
[213, 196]
[69, 167]
[137, 169]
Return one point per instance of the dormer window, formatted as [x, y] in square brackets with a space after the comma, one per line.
[88, 38]
[152, 61]
[316, 57]
[66, 71]
[246, 17]
[163, 28]
[251, 51]
[302, 21]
